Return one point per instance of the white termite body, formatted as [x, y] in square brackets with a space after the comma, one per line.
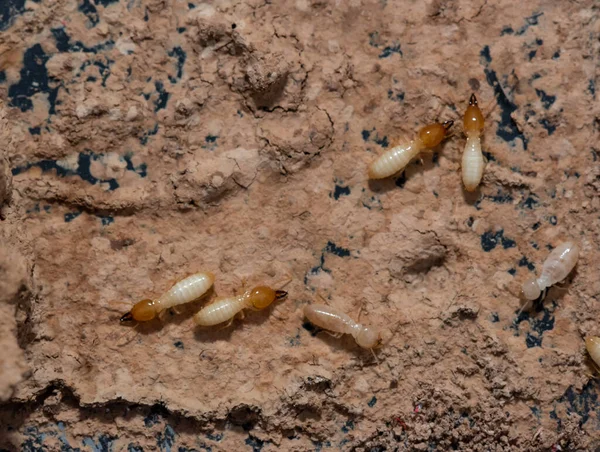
[395, 160]
[559, 263]
[225, 309]
[473, 163]
[186, 290]
[221, 310]
[332, 320]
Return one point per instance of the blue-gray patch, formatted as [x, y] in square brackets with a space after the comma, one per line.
[9, 10]
[340, 191]
[153, 131]
[33, 79]
[255, 443]
[530, 21]
[83, 169]
[104, 444]
[166, 439]
[90, 12]
[63, 43]
[583, 403]
[179, 53]
[507, 129]
[547, 99]
[215, 436]
[524, 262]
[71, 216]
[390, 50]
[489, 240]
[537, 326]
[163, 96]
[349, 425]
[550, 128]
[106, 220]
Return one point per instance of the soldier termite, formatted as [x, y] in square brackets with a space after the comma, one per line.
[339, 323]
[395, 160]
[225, 309]
[472, 159]
[185, 291]
[556, 268]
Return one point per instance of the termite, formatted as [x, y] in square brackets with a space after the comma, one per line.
[185, 291]
[225, 309]
[556, 268]
[339, 323]
[592, 344]
[472, 159]
[395, 160]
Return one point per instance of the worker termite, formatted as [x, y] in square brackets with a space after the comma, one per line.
[224, 309]
[592, 344]
[395, 160]
[185, 291]
[472, 159]
[556, 268]
[339, 323]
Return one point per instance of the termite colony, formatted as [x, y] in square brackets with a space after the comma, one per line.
[557, 266]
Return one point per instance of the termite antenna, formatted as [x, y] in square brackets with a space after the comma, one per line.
[288, 279]
[128, 317]
[473, 100]
[448, 124]
[375, 356]
[132, 337]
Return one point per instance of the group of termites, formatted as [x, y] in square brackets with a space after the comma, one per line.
[225, 309]
[557, 266]
[393, 162]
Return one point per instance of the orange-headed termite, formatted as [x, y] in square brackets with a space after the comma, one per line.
[395, 160]
[185, 291]
[472, 159]
[225, 309]
[557, 267]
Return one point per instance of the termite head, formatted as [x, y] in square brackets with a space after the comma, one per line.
[142, 311]
[262, 296]
[433, 134]
[369, 338]
[473, 119]
[531, 289]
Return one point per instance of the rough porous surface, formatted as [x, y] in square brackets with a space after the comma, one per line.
[144, 140]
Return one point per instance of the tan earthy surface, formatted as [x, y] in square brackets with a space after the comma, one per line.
[253, 166]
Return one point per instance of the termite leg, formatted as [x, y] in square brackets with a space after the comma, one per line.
[228, 324]
[162, 314]
[336, 335]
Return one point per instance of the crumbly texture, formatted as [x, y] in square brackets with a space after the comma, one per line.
[147, 140]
